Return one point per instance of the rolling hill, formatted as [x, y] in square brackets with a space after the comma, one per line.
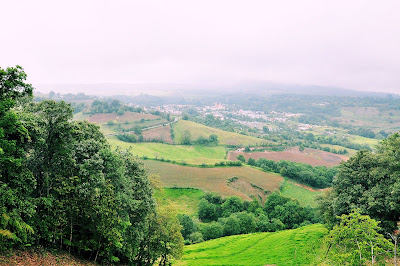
[245, 182]
[289, 247]
[224, 138]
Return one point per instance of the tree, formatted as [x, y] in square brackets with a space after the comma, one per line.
[369, 181]
[251, 161]
[213, 139]
[356, 240]
[165, 237]
[16, 181]
[241, 158]
[186, 138]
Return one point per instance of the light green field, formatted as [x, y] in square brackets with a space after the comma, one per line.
[362, 140]
[303, 195]
[351, 152]
[189, 154]
[196, 130]
[184, 200]
[289, 247]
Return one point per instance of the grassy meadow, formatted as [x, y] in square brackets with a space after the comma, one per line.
[305, 195]
[184, 200]
[224, 138]
[289, 247]
[250, 182]
[179, 153]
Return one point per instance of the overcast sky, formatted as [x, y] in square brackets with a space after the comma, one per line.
[352, 44]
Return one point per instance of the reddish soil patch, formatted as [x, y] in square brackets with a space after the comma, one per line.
[41, 258]
[308, 156]
[160, 133]
[128, 116]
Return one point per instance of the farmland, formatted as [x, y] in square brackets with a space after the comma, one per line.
[249, 183]
[179, 153]
[304, 194]
[162, 133]
[289, 247]
[308, 156]
[184, 200]
[224, 138]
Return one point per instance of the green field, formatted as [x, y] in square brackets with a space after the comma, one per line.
[362, 140]
[303, 195]
[250, 182]
[289, 247]
[196, 130]
[179, 153]
[184, 200]
[350, 153]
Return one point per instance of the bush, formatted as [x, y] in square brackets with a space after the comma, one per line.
[212, 230]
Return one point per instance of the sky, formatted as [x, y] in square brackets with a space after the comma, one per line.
[352, 44]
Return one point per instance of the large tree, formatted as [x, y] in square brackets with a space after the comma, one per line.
[16, 181]
[370, 182]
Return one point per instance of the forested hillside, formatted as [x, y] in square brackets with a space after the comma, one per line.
[63, 187]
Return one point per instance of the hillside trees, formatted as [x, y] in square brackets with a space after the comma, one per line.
[370, 182]
[61, 186]
[356, 241]
[16, 181]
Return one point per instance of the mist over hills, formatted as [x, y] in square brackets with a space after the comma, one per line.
[176, 93]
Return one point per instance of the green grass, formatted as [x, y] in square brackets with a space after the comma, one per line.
[189, 154]
[362, 140]
[196, 130]
[184, 200]
[303, 195]
[289, 247]
[350, 153]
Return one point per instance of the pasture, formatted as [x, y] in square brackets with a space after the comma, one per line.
[224, 138]
[179, 153]
[289, 247]
[309, 156]
[249, 183]
[304, 194]
[184, 200]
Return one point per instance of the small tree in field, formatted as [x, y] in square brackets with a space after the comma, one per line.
[356, 241]
[241, 158]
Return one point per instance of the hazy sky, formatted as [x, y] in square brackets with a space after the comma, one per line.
[352, 44]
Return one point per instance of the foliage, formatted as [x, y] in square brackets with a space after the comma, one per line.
[356, 241]
[369, 182]
[318, 176]
[61, 186]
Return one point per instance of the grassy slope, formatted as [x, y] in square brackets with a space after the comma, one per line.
[303, 195]
[289, 247]
[184, 200]
[179, 153]
[216, 179]
[196, 130]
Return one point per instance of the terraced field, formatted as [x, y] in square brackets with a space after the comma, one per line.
[180, 153]
[224, 138]
[289, 247]
[247, 182]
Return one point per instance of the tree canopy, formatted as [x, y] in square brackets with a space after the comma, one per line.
[369, 182]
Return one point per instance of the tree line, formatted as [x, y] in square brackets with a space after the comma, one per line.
[219, 217]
